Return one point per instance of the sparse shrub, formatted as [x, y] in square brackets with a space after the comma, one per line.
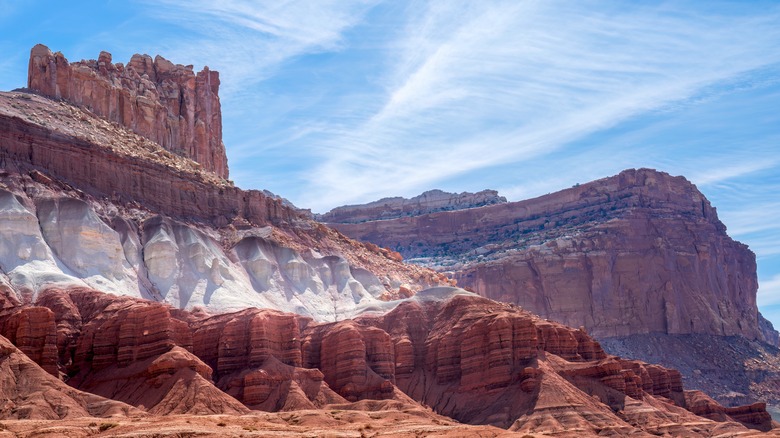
[221, 424]
[105, 426]
[92, 424]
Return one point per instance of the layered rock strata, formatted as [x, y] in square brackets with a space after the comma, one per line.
[469, 358]
[56, 236]
[28, 392]
[428, 202]
[167, 103]
[639, 252]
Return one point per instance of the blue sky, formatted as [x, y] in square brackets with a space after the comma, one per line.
[332, 102]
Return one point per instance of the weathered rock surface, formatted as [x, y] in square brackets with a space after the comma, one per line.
[167, 103]
[482, 362]
[132, 351]
[55, 238]
[469, 358]
[70, 226]
[428, 202]
[29, 392]
[256, 357]
[639, 252]
[172, 243]
[731, 369]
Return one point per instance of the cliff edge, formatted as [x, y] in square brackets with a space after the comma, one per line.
[166, 103]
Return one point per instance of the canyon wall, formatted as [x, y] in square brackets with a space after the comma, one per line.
[73, 147]
[167, 103]
[51, 238]
[639, 252]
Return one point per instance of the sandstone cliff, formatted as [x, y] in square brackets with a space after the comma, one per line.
[467, 357]
[167, 103]
[161, 229]
[428, 202]
[52, 238]
[28, 392]
[636, 253]
[111, 195]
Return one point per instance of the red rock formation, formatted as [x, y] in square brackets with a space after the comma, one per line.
[38, 135]
[357, 362]
[133, 351]
[32, 330]
[467, 357]
[482, 362]
[256, 357]
[636, 253]
[166, 103]
[702, 405]
[155, 185]
[29, 392]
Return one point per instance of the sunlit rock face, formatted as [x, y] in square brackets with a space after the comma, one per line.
[428, 202]
[640, 252]
[62, 242]
[167, 103]
[464, 356]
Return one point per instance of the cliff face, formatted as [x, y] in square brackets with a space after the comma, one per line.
[467, 357]
[84, 202]
[428, 202]
[167, 103]
[53, 238]
[636, 253]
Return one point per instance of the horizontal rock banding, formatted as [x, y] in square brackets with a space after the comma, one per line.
[166, 103]
[639, 252]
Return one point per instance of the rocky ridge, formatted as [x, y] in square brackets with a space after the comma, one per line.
[428, 202]
[55, 237]
[166, 103]
[509, 368]
[163, 228]
[638, 254]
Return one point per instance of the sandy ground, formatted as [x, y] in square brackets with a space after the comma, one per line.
[315, 423]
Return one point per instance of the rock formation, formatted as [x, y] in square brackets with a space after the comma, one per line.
[130, 272]
[428, 202]
[167, 103]
[28, 392]
[149, 230]
[638, 253]
[469, 358]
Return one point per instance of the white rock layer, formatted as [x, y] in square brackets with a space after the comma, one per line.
[65, 243]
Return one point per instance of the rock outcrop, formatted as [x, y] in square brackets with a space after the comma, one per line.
[638, 252]
[147, 216]
[71, 225]
[167, 103]
[428, 202]
[29, 392]
[467, 357]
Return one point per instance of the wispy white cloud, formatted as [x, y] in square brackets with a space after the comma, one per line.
[769, 291]
[715, 175]
[249, 40]
[476, 85]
